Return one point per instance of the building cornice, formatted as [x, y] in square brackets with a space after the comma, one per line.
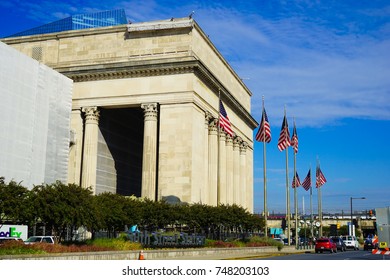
[173, 23]
[159, 67]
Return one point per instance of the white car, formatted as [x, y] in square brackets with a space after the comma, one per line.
[351, 242]
[41, 239]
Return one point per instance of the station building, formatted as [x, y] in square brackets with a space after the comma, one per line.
[145, 109]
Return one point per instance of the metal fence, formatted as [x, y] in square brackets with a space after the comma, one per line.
[163, 240]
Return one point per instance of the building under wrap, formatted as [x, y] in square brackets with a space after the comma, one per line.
[35, 112]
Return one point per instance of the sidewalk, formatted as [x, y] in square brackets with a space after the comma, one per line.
[230, 254]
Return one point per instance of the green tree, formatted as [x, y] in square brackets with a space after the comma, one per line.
[156, 215]
[15, 204]
[62, 206]
[133, 210]
[111, 212]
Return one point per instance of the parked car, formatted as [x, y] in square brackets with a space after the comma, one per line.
[6, 239]
[369, 244]
[325, 244]
[41, 239]
[339, 243]
[351, 242]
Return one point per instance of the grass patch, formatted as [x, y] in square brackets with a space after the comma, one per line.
[117, 244]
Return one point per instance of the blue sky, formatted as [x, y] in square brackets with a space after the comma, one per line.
[327, 62]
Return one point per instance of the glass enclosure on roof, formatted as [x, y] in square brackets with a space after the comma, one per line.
[76, 22]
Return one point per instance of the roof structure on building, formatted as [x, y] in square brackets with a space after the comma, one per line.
[76, 22]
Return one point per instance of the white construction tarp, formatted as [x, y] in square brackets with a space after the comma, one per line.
[35, 108]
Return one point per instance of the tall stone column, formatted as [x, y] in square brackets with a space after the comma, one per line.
[204, 188]
[76, 147]
[229, 169]
[243, 147]
[236, 171]
[222, 168]
[249, 178]
[91, 130]
[149, 157]
[213, 163]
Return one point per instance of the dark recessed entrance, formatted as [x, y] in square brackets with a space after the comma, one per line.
[119, 165]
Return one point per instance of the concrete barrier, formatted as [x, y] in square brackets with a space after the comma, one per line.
[202, 253]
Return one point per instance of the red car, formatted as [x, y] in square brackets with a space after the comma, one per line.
[325, 244]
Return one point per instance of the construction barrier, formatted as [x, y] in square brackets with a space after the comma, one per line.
[381, 251]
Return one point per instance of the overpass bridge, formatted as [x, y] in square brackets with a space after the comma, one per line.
[366, 224]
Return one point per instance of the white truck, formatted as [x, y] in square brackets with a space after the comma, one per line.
[383, 230]
[17, 231]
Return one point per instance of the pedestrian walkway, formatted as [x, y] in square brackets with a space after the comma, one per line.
[230, 254]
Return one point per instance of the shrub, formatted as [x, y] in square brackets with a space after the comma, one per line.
[209, 243]
[18, 248]
[224, 244]
[257, 241]
[116, 244]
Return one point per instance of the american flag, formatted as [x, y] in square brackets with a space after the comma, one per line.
[284, 138]
[307, 182]
[296, 182]
[320, 178]
[264, 132]
[224, 121]
[294, 140]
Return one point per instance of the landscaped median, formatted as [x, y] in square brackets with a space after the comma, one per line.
[161, 254]
[120, 249]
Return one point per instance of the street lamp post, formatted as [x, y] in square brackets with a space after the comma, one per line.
[352, 212]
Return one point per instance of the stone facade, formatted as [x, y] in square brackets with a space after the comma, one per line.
[165, 78]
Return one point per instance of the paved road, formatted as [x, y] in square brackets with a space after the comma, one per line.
[348, 255]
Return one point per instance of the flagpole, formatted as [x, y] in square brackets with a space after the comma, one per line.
[288, 199]
[218, 135]
[320, 210]
[295, 202]
[287, 192]
[295, 193]
[319, 200]
[265, 175]
[311, 208]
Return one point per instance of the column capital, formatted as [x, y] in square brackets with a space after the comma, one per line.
[229, 140]
[150, 111]
[207, 117]
[213, 130]
[236, 142]
[91, 113]
[243, 147]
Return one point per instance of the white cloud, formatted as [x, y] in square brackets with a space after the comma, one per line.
[319, 75]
